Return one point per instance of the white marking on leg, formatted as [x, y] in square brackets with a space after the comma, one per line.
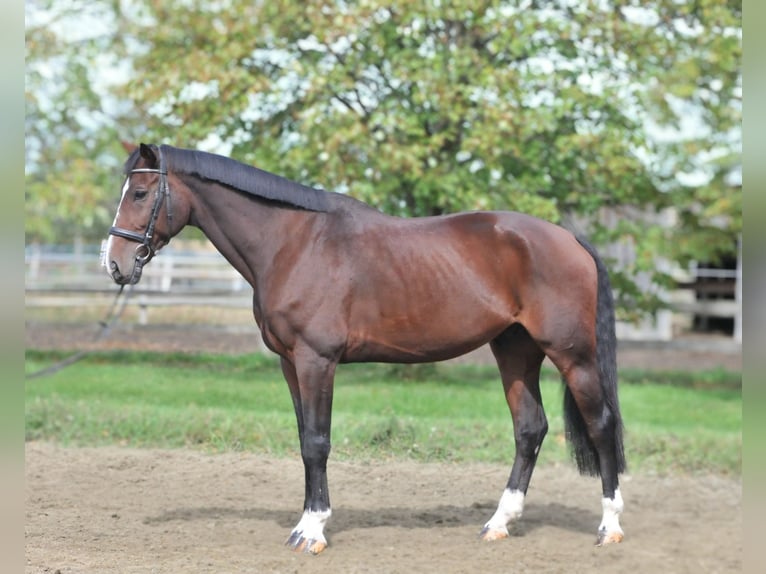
[612, 508]
[311, 525]
[510, 507]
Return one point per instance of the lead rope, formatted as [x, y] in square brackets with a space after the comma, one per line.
[115, 312]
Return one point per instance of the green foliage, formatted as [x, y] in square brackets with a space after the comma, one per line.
[674, 421]
[72, 128]
[590, 114]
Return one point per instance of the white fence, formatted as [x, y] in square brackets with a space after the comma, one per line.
[65, 278]
[62, 277]
[52, 268]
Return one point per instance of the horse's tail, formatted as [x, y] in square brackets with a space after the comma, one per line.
[584, 451]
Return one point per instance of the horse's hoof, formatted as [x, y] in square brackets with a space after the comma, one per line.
[491, 534]
[299, 543]
[605, 537]
[314, 546]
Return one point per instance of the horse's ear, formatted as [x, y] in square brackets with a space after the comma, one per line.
[128, 146]
[147, 152]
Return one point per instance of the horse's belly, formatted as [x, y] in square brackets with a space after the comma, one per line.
[433, 338]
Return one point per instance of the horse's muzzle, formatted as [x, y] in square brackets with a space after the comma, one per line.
[122, 279]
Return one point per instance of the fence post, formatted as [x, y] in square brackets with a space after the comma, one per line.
[237, 282]
[143, 310]
[738, 294]
[167, 271]
[79, 259]
[35, 254]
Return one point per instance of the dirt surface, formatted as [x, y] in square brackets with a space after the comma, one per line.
[122, 510]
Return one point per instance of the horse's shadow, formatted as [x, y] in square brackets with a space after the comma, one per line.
[443, 516]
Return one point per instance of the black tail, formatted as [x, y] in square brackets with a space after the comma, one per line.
[584, 451]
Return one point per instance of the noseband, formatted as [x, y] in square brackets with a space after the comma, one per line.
[145, 250]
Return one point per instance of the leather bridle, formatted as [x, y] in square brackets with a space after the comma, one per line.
[145, 250]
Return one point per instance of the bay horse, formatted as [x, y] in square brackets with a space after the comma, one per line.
[336, 281]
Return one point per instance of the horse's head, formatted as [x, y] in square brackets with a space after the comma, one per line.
[148, 215]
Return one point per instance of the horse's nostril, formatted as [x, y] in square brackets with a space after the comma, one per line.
[115, 271]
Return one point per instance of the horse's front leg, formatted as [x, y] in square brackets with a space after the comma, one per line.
[311, 385]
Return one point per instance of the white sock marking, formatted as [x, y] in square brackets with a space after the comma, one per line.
[510, 507]
[311, 525]
[612, 507]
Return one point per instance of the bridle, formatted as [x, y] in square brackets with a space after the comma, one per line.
[145, 250]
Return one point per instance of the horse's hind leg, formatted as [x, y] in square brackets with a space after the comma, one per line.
[592, 430]
[592, 427]
[519, 359]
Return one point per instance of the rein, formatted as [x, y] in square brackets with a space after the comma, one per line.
[145, 250]
[115, 312]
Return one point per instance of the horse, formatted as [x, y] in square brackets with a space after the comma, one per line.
[336, 281]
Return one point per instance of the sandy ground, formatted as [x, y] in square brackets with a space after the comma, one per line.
[123, 510]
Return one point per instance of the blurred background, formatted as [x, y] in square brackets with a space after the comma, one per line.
[617, 119]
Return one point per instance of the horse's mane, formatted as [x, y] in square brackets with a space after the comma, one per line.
[240, 176]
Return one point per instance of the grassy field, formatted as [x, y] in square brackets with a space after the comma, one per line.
[675, 422]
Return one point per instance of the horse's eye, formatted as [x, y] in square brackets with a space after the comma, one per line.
[140, 194]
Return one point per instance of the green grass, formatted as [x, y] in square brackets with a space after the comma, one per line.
[675, 422]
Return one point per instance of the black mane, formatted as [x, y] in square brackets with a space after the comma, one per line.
[240, 176]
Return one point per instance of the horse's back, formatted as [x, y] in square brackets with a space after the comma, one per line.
[431, 288]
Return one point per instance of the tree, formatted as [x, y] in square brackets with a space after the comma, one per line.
[556, 108]
[73, 121]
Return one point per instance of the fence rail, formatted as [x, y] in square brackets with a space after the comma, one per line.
[57, 277]
[176, 277]
[182, 271]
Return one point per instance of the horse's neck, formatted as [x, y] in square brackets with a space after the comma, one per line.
[247, 232]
